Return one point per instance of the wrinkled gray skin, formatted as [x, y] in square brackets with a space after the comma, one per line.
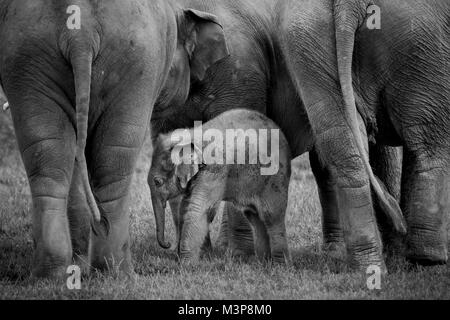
[284, 62]
[262, 198]
[3, 100]
[408, 105]
[94, 88]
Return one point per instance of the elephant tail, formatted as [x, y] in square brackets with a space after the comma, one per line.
[82, 71]
[348, 17]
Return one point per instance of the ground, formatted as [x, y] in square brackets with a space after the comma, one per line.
[312, 276]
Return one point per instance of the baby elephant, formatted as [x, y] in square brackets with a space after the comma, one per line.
[226, 159]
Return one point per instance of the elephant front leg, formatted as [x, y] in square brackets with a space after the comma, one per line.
[110, 243]
[195, 220]
[333, 235]
[175, 204]
[426, 202]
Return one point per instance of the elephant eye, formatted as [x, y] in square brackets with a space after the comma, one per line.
[158, 182]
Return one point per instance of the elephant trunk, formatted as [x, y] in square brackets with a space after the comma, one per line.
[160, 215]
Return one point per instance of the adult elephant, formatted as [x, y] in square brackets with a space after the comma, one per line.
[257, 76]
[285, 62]
[402, 76]
[93, 85]
[399, 83]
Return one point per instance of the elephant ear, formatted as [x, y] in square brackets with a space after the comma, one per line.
[204, 41]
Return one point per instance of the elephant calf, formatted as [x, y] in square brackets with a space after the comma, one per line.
[225, 159]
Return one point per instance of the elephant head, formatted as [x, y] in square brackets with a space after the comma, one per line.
[168, 180]
[201, 43]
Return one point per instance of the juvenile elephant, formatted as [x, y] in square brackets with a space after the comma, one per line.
[224, 165]
[81, 99]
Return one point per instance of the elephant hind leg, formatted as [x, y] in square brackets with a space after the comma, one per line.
[207, 246]
[260, 236]
[270, 237]
[426, 201]
[241, 234]
[47, 142]
[175, 210]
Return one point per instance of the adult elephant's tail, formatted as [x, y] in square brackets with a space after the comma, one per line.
[348, 17]
[82, 70]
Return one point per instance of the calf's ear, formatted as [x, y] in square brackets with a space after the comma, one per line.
[185, 172]
[190, 167]
[204, 41]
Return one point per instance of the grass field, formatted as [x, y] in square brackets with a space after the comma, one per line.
[312, 276]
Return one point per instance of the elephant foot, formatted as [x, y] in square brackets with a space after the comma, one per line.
[115, 263]
[242, 252]
[188, 255]
[426, 250]
[51, 262]
[118, 267]
[222, 243]
[362, 237]
[50, 267]
[242, 248]
[363, 256]
[281, 258]
[82, 261]
[189, 260]
[49, 273]
[333, 240]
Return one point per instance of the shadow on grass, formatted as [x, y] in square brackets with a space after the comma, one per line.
[313, 259]
[150, 259]
[15, 260]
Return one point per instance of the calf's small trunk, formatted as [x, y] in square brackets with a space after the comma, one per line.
[160, 215]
